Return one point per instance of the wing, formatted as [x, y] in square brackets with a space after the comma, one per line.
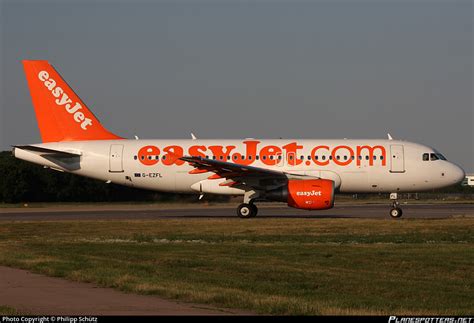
[238, 175]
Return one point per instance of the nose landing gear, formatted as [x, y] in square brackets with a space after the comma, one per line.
[395, 212]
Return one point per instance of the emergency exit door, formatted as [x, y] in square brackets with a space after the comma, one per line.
[116, 159]
[397, 159]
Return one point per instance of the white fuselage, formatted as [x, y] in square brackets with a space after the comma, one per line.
[356, 166]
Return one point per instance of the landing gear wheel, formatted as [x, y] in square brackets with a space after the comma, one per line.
[246, 211]
[396, 213]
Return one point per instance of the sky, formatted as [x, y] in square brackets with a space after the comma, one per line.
[262, 69]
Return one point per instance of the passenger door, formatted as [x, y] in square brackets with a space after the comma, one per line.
[116, 159]
[397, 160]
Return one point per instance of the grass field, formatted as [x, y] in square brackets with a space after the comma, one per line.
[269, 266]
[7, 310]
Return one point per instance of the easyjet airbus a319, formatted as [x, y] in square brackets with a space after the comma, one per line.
[305, 174]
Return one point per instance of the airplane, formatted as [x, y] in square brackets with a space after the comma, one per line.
[304, 173]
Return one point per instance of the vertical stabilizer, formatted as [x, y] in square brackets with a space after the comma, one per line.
[61, 114]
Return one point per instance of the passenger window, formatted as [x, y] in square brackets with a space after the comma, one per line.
[426, 156]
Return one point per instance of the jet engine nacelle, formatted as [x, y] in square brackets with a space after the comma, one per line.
[313, 194]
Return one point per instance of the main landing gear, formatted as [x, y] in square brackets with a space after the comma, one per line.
[247, 210]
[395, 212]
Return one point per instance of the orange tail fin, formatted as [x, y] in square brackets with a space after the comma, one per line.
[61, 114]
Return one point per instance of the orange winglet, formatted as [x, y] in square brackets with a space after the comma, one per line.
[61, 114]
[227, 183]
[198, 171]
[215, 176]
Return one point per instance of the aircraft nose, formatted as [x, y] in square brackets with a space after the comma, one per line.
[456, 174]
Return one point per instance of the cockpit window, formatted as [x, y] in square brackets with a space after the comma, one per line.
[433, 156]
[440, 156]
[437, 156]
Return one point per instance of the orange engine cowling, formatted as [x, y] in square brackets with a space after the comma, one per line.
[315, 194]
[310, 194]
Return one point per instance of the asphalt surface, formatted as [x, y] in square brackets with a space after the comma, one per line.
[366, 211]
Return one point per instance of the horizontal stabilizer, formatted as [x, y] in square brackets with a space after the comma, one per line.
[48, 151]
